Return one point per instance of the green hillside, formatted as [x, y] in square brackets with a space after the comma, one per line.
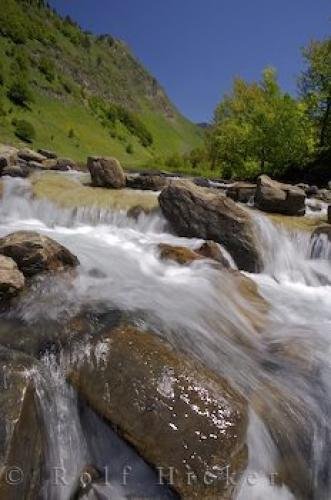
[82, 93]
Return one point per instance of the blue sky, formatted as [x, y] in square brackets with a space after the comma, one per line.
[196, 47]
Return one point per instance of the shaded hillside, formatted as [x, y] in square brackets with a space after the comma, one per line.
[86, 93]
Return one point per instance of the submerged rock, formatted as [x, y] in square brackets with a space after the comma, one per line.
[211, 250]
[106, 172]
[248, 300]
[200, 213]
[322, 230]
[181, 255]
[35, 253]
[11, 279]
[180, 417]
[21, 454]
[273, 196]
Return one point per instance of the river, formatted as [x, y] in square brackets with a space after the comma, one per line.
[120, 269]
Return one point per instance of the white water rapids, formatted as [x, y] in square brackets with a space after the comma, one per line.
[287, 366]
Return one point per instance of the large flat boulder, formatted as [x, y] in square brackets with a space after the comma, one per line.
[106, 172]
[177, 414]
[11, 279]
[273, 196]
[35, 253]
[197, 212]
[21, 453]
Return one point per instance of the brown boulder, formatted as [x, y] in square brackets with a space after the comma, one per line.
[173, 410]
[197, 212]
[211, 250]
[329, 214]
[11, 279]
[35, 253]
[181, 255]
[273, 196]
[21, 454]
[106, 172]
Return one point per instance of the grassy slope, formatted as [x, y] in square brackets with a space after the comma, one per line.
[104, 70]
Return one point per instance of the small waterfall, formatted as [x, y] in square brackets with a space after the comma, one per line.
[287, 255]
[18, 203]
[66, 448]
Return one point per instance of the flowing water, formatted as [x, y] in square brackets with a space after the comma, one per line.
[283, 371]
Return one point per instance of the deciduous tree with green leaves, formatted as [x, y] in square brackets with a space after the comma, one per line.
[258, 128]
[315, 86]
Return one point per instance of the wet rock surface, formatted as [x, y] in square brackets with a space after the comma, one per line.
[200, 213]
[106, 172]
[21, 454]
[11, 279]
[273, 196]
[181, 415]
[35, 253]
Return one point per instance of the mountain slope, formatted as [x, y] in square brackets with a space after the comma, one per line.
[89, 94]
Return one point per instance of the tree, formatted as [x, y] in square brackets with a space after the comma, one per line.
[315, 87]
[258, 128]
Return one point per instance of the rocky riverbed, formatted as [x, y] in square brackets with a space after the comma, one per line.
[161, 337]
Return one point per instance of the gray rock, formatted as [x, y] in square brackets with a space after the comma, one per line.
[63, 164]
[35, 165]
[4, 162]
[47, 153]
[201, 213]
[273, 196]
[35, 253]
[106, 172]
[241, 191]
[201, 181]
[145, 182]
[16, 171]
[30, 155]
